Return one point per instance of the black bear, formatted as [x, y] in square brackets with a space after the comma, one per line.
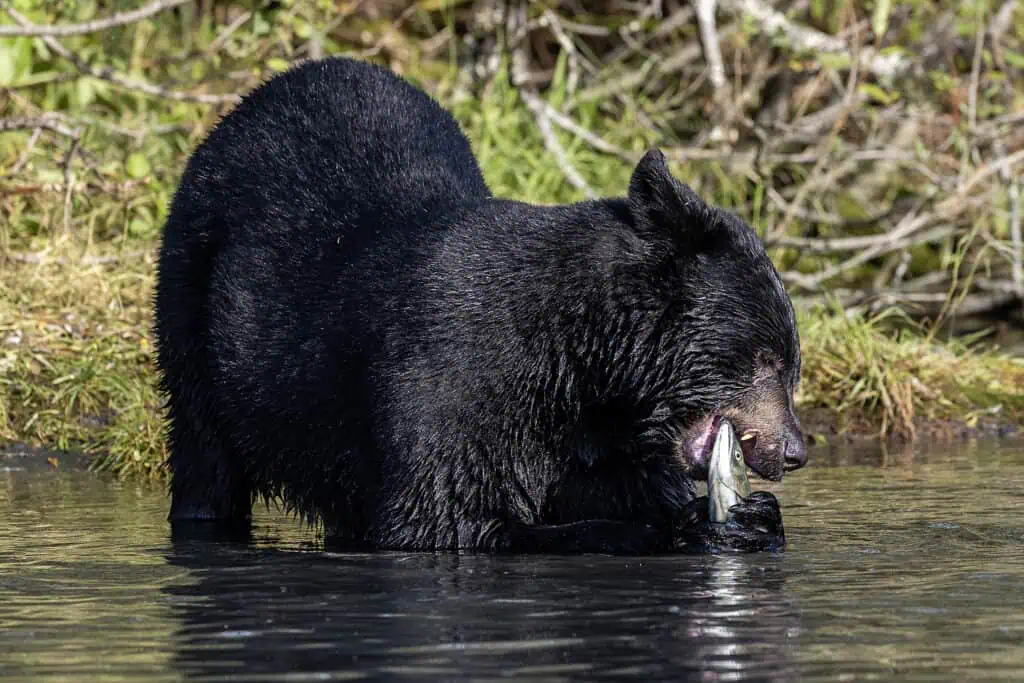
[348, 321]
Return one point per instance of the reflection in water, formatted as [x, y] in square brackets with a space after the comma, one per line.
[272, 611]
[902, 565]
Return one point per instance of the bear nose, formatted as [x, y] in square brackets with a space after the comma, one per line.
[795, 454]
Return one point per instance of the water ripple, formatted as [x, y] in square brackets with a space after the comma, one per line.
[898, 568]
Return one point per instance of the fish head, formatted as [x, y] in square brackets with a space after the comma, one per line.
[727, 462]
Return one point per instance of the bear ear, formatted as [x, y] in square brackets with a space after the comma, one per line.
[661, 203]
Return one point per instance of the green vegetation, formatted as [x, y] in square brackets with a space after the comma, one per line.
[872, 189]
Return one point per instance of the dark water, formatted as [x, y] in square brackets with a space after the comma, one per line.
[907, 566]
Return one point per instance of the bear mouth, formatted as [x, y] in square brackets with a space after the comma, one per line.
[703, 442]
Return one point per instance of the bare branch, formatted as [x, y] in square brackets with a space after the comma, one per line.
[50, 123]
[116, 19]
[972, 92]
[920, 303]
[536, 105]
[981, 174]
[68, 185]
[705, 10]
[25, 153]
[803, 38]
[107, 74]
[116, 189]
[813, 282]
[550, 20]
[1002, 21]
[223, 36]
[566, 123]
[34, 123]
[1016, 238]
[43, 257]
[849, 102]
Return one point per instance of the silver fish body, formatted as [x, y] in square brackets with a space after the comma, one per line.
[727, 474]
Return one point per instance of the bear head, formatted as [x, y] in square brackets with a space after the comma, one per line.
[725, 333]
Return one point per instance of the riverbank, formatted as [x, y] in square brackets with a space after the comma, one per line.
[77, 370]
[871, 189]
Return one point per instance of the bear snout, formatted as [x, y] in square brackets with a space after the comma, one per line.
[772, 444]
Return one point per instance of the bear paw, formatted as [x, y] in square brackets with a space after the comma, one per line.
[754, 524]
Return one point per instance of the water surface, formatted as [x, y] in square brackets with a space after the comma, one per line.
[900, 566]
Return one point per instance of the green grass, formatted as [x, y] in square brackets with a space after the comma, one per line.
[76, 365]
[76, 351]
[871, 374]
[82, 373]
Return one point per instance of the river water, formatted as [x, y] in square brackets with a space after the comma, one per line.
[905, 565]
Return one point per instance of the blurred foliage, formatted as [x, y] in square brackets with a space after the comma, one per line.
[75, 344]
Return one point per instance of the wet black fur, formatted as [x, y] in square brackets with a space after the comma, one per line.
[348, 320]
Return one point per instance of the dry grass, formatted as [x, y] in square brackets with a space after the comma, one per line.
[76, 359]
[866, 370]
[76, 366]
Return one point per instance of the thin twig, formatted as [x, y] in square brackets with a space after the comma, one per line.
[65, 125]
[972, 93]
[25, 153]
[705, 10]
[925, 303]
[116, 19]
[116, 189]
[536, 105]
[1016, 249]
[568, 124]
[387, 34]
[904, 235]
[983, 173]
[47, 122]
[830, 245]
[1002, 21]
[107, 74]
[68, 185]
[42, 257]
[902, 267]
[517, 32]
[774, 22]
[50, 123]
[824, 245]
[947, 210]
[849, 99]
[1016, 239]
[667, 26]
[972, 96]
[550, 20]
[687, 54]
[813, 282]
[223, 36]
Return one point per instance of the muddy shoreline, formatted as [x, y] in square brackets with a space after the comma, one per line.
[821, 427]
